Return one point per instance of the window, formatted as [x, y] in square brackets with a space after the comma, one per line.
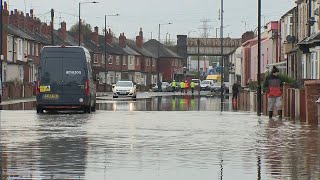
[25, 52]
[20, 47]
[118, 60]
[4, 72]
[130, 60]
[303, 67]
[148, 62]
[153, 62]
[138, 61]
[172, 62]
[124, 61]
[29, 48]
[21, 73]
[103, 61]
[176, 61]
[110, 59]
[95, 58]
[37, 49]
[32, 49]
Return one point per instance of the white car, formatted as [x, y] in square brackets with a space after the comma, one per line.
[124, 88]
[206, 85]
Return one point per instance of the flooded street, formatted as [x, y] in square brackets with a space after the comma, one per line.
[137, 139]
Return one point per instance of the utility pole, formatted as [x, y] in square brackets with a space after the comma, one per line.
[105, 53]
[198, 43]
[259, 59]
[79, 23]
[1, 55]
[52, 28]
[222, 59]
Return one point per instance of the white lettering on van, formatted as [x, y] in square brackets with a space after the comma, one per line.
[73, 72]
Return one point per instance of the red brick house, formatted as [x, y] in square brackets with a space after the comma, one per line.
[170, 64]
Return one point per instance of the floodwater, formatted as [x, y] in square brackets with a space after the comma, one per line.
[121, 143]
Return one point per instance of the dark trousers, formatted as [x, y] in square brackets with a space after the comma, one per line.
[182, 90]
[235, 96]
[192, 90]
[173, 89]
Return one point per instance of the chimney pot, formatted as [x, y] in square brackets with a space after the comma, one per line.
[96, 29]
[5, 5]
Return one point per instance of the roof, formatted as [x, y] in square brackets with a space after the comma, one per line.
[142, 50]
[314, 38]
[70, 41]
[152, 46]
[289, 12]
[128, 50]
[18, 32]
[38, 36]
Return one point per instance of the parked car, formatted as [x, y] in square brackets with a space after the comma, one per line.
[65, 80]
[165, 87]
[216, 87]
[124, 88]
[196, 82]
[206, 84]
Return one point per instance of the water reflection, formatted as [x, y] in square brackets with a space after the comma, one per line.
[171, 103]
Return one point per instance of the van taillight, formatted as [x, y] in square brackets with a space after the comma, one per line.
[38, 87]
[87, 87]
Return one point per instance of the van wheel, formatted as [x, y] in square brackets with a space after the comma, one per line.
[93, 108]
[39, 110]
[87, 109]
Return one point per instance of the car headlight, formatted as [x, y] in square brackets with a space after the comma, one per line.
[131, 90]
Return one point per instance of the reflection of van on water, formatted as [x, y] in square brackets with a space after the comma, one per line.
[65, 80]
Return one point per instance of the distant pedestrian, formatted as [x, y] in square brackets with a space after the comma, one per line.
[186, 86]
[235, 91]
[273, 87]
[182, 86]
[192, 85]
[174, 85]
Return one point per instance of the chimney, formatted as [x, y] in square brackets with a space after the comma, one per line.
[14, 18]
[37, 25]
[31, 13]
[139, 39]
[109, 38]
[95, 35]
[22, 20]
[122, 40]
[247, 36]
[5, 11]
[63, 31]
[44, 29]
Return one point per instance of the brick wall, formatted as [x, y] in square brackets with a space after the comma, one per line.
[312, 93]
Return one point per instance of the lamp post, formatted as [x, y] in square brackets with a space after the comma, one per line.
[105, 48]
[92, 2]
[1, 39]
[259, 59]
[158, 74]
[222, 59]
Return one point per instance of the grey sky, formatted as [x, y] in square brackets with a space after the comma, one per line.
[184, 14]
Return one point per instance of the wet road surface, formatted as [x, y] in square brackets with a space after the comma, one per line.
[156, 145]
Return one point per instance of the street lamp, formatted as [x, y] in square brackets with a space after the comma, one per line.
[92, 2]
[158, 74]
[105, 48]
[259, 61]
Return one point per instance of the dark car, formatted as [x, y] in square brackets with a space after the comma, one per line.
[65, 80]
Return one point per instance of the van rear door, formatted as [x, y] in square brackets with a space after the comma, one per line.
[74, 76]
[51, 76]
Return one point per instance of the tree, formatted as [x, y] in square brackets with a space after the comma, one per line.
[86, 29]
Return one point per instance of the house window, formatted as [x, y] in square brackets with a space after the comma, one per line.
[111, 78]
[124, 61]
[130, 60]
[20, 47]
[29, 48]
[37, 50]
[137, 63]
[32, 49]
[103, 61]
[110, 59]
[153, 62]
[95, 59]
[4, 72]
[176, 61]
[25, 52]
[172, 63]
[148, 62]
[21, 73]
[118, 60]
[303, 67]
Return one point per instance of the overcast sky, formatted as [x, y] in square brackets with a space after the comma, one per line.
[184, 14]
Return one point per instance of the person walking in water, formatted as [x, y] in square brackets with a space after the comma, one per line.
[186, 86]
[192, 85]
[182, 86]
[273, 86]
[174, 86]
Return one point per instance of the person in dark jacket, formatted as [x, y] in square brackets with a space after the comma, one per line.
[273, 87]
[235, 91]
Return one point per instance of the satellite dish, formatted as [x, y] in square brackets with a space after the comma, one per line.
[289, 39]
